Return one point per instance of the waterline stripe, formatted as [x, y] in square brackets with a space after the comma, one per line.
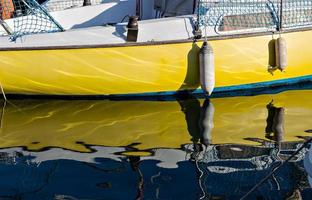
[269, 87]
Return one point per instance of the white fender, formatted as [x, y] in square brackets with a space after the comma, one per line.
[281, 53]
[207, 68]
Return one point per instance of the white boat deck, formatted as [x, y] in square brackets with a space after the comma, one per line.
[163, 29]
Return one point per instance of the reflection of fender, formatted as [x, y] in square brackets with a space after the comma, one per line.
[206, 122]
[308, 164]
[275, 123]
[199, 119]
[278, 124]
[7, 9]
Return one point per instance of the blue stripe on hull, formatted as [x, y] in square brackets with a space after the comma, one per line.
[270, 87]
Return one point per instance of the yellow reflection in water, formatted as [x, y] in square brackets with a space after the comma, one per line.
[75, 125]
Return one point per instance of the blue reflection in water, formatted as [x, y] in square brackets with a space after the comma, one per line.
[213, 172]
[103, 179]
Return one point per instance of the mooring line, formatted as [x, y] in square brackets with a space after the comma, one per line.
[3, 93]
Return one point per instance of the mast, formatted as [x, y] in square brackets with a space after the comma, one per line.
[138, 8]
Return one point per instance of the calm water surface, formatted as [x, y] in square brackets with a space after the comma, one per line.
[181, 149]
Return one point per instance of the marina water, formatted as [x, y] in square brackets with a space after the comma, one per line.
[179, 148]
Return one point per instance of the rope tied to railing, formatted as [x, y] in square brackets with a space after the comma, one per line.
[27, 17]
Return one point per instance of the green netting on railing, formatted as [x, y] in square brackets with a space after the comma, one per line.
[56, 5]
[27, 17]
[229, 15]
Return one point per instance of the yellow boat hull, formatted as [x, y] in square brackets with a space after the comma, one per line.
[143, 69]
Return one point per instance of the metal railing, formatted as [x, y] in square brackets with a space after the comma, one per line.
[229, 15]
